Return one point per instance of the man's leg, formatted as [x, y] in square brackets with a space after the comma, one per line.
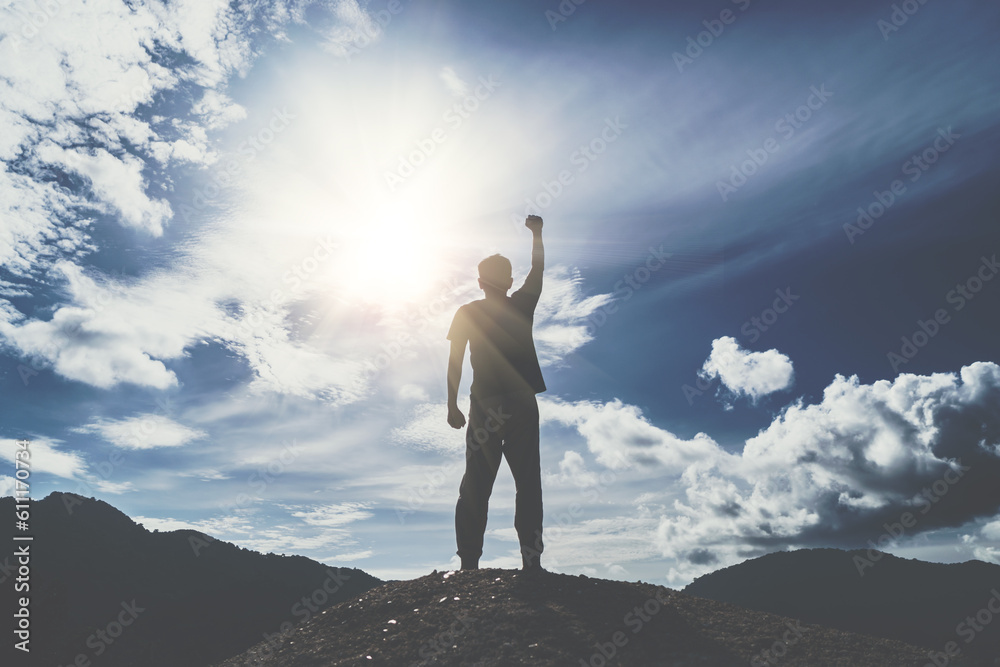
[482, 460]
[521, 449]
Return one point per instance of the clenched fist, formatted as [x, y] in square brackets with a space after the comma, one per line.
[455, 417]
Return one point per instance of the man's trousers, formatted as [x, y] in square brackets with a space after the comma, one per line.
[507, 426]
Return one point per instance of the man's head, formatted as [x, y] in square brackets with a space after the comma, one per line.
[495, 274]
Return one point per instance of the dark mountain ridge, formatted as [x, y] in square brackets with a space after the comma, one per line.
[925, 604]
[105, 588]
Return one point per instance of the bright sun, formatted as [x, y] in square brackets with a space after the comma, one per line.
[391, 259]
[397, 243]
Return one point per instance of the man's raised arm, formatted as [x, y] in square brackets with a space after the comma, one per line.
[533, 283]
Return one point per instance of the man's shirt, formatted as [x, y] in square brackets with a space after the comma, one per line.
[501, 348]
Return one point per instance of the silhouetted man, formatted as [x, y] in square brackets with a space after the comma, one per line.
[503, 418]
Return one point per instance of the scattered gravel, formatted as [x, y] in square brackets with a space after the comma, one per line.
[492, 617]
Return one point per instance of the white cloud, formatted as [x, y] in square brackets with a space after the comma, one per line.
[455, 84]
[218, 110]
[348, 557]
[427, 428]
[214, 527]
[840, 469]
[991, 531]
[335, 515]
[355, 30]
[297, 368]
[144, 432]
[204, 474]
[573, 472]
[76, 79]
[114, 488]
[278, 540]
[620, 436]
[984, 545]
[413, 393]
[607, 541]
[115, 180]
[113, 331]
[987, 554]
[753, 374]
[7, 485]
[48, 456]
[213, 32]
[70, 88]
[317, 529]
[562, 313]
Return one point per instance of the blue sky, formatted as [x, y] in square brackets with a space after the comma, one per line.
[233, 238]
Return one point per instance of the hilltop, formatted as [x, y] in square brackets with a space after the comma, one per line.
[492, 617]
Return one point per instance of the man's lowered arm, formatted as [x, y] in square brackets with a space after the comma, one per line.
[455, 360]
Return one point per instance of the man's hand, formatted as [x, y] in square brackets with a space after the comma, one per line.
[534, 223]
[455, 417]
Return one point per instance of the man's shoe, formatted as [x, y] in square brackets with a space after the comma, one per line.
[470, 563]
[531, 565]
